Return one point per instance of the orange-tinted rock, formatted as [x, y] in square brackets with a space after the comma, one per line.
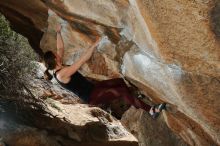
[169, 49]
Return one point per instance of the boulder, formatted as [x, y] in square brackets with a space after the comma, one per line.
[168, 49]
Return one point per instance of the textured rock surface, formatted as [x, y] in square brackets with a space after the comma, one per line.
[144, 128]
[92, 127]
[169, 49]
[75, 124]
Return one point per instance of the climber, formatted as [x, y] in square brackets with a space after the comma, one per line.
[100, 93]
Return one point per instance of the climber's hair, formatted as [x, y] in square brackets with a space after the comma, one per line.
[50, 63]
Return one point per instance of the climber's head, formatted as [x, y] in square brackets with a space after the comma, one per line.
[50, 60]
[50, 63]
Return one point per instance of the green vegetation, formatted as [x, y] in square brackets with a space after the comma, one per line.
[15, 57]
[15, 65]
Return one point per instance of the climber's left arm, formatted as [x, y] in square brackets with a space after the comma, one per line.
[60, 44]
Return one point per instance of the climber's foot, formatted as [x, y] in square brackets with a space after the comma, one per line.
[155, 110]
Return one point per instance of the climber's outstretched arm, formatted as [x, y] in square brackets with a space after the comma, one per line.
[60, 44]
[67, 72]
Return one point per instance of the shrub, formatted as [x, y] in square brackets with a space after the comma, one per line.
[15, 57]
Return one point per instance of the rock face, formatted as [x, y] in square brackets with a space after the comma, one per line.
[92, 127]
[145, 128]
[168, 49]
[74, 124]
